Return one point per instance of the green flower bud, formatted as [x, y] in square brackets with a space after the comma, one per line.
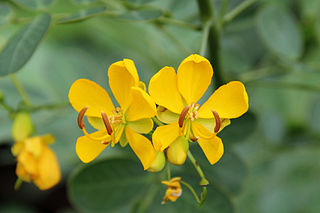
[158, 162]
[22, 126]
[177, 151]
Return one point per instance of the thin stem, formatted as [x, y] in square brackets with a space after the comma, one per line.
[6, 107]
[156, 120]
[204, 39]
[192, 190]
[48, 107]
[203, 181]
[18, 183]
[236, 11]
[223, 8]
[21, 90]
[168, 170]
[205, 10]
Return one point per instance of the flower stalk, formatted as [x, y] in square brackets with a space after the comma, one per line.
[203, 181]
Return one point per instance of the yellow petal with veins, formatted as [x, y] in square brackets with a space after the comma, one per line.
[143, 126]
[229, 101]
[141, 146]
[122, 76]
[166, 116]
[163, 89]
[165, 135]
[194, 76]
[48, 174]
[212, 148]
[141, 106]
[86, 93]
[88, 149]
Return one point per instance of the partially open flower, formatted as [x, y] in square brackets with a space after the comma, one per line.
[174, 190]
[125, 123]
[36, 162]
[177, 95]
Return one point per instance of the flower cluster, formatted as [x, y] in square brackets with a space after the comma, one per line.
[172, 103]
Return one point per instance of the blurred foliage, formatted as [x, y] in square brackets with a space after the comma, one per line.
[270, 163]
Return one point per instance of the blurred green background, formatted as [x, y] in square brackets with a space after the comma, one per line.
[272, 153]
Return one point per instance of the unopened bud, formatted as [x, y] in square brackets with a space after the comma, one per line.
[22, 126]
[177, 151]
[158, 162]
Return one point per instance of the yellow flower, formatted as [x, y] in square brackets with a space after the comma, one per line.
[36, 162]
[174, 190]
[177, 95]
[114, 124]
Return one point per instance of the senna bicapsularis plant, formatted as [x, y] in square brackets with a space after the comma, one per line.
[171, 104]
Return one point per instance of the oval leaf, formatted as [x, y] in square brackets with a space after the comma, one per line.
[280, 32]
[145, 14]
[5, 14]
[82, 15]
[108, 186]
[23, 44]
[34, 4]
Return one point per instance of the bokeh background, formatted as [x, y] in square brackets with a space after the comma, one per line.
[271, 160]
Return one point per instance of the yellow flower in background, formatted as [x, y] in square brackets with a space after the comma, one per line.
[36, 162]
[177, 95]
[115, 124]
[174, 190]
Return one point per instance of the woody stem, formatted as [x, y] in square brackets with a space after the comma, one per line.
[203, 181]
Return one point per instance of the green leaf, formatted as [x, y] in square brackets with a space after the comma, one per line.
[318, 25]
[280, 32]
[82, 15]
[34, 4]
[23, 44]
[143, 14]
[84, 1]
[5, 14]
[108, 186]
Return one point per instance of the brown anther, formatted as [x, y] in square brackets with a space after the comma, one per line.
[106, 142]
[80, 117]
[183, 115]
[194, 138]
[106, 123]
[218, 121]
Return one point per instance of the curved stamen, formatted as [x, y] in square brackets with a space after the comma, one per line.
[218, 121]
[106, 123]
[80, 117]
[183, 115]
[94, 138]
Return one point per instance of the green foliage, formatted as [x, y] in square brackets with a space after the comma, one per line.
[82, 15]
[280, 32]
[5, 14]
[22, 45]
[34, 4]
[143, 14]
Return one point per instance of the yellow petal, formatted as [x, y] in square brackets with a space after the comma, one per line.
[17, 148]
[143, 126]
[118, 130]
[158, 162]
[177, 151]
[87, 149]
[141, 146]
[34, 146]
[142, 105]
[86, 93]
[123, 140]
[22, 173]
[229, 101]
[212, 148]
[194, 77]
[22, 126]
[210, 123]
[163, 89]
[122, 76]
[163, 136]
[48, 169]
[47, 139]
[166, 116]
[96, 122]
[200, 131]
[28, 161]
